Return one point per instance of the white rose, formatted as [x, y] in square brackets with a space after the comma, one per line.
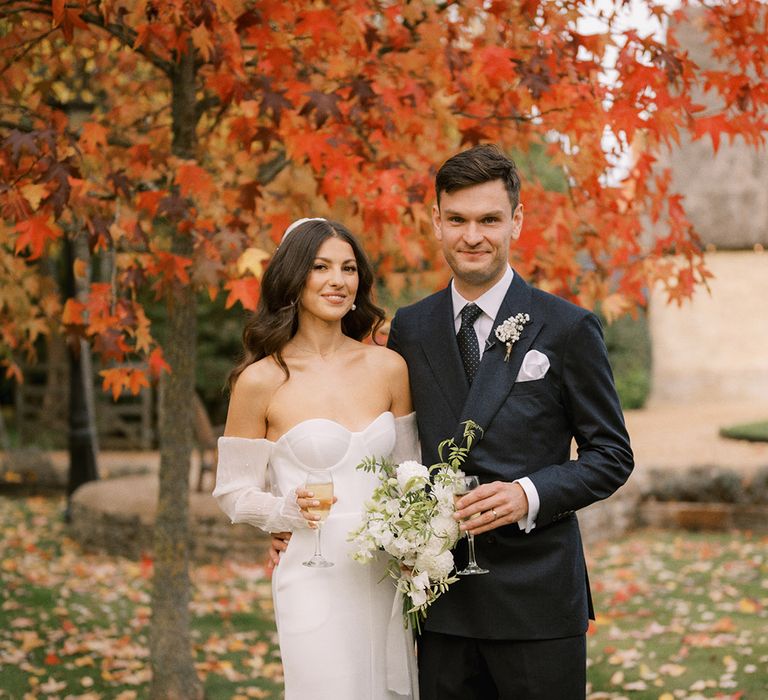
[445, 527]
[438, 566]
[399, 547]
[411, 470]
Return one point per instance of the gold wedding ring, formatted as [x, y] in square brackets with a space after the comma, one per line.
[495, 514]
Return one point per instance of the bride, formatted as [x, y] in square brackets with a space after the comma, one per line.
[310, 395]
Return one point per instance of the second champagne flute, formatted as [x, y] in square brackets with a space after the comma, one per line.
[466, 485]
[320, 483]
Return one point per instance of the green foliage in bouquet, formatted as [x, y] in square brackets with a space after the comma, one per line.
[410, 517]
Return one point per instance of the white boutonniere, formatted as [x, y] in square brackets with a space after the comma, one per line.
[509, 331]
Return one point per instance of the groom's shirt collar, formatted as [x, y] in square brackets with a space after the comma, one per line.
[489, 302]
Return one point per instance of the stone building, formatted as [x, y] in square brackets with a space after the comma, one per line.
[716, 347]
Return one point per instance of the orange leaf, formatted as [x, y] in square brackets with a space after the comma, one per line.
[201, 40]
[157, 363]
[72, 315]
[33, 233]
[114, 379]
[93, 137]
[172, 267]
[57, 6]
[136, 380]
[150, 200]
[119, 378]
[194, 181]
[245, 290]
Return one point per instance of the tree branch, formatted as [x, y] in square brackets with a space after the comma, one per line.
[26, 46]
[127, 37]
[270, 170]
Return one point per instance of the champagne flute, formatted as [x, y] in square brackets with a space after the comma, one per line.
[320, 483]
[466, 484]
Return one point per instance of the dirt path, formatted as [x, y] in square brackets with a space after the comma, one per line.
[678, 437]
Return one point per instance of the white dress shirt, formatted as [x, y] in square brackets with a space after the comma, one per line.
[490, 303]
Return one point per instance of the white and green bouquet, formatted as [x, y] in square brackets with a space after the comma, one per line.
[409, 516]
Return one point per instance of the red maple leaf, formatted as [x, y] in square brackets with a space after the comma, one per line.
[245, 290]
[194, 181]
[33, 234]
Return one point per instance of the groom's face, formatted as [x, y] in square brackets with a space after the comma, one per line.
[475, 226]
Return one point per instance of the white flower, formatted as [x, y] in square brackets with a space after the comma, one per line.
[437, 566]
[445, 528]
[409, 516]
[509, 331]
[411, 470]
[421, 580]
[444, 495]
[400, 546]
[418, 597]
[392, 507]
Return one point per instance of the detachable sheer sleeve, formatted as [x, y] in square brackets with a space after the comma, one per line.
[406, 439]
[242, 489]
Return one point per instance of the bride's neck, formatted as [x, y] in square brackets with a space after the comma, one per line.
[318, 338]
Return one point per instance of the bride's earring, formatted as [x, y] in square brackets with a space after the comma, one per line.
[354, 306]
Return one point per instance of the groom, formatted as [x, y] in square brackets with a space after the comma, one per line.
[518, 631]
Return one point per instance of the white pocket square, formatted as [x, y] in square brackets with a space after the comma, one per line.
[535, 366]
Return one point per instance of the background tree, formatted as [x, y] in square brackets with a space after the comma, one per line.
[213, 123]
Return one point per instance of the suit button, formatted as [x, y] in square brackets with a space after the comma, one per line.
[491, 539]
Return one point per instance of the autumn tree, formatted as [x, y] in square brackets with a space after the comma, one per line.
[209, 124]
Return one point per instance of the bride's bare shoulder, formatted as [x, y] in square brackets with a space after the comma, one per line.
[250, 399]
[264, 374]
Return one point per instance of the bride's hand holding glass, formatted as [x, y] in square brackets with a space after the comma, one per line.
[310, 505]
[315, 501]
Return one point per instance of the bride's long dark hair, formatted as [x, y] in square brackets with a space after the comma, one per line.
[276, 318]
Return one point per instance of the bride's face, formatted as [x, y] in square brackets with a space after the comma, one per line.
[331, 285]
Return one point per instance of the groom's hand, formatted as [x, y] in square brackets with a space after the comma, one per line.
[498, 503]
[278, 543]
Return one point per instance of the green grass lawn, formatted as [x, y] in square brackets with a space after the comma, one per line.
[679, 616]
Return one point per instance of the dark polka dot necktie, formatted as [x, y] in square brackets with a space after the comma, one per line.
[468, 345]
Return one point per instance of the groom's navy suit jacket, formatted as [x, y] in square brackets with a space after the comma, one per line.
[538, 586]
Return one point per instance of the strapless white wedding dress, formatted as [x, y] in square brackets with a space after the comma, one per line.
[340, 628]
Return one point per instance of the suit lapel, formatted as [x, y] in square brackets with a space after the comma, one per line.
[442, 352]
[495, 377]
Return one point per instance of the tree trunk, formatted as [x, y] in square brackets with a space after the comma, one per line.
[173, 671]
[83, 439]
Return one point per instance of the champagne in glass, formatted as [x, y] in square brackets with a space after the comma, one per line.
[320, 483]
[466, 485]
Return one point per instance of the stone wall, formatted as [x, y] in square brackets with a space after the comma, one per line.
[726, 196]
[610, 519]
[714, 348]
[117, 516]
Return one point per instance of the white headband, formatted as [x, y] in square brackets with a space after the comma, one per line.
[299, 222]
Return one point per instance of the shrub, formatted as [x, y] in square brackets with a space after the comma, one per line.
[756, 490]
[629, 350]
[705, 484]
[754, 432]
